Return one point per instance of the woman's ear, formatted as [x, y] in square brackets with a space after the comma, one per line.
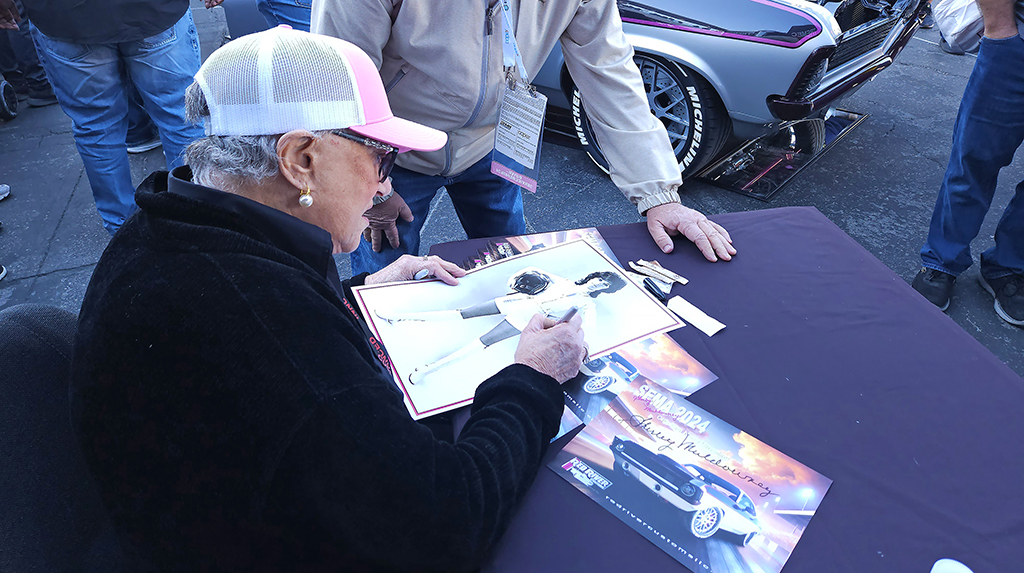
[296, 156]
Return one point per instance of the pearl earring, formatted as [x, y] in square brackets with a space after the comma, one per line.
[305, 199]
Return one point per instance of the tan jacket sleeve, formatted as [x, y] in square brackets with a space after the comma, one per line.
[365, 23]
[600, 61]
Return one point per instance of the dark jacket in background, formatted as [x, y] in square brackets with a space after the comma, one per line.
[236, 418]
[104, 21]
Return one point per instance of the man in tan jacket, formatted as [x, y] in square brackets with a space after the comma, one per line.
[442, 66]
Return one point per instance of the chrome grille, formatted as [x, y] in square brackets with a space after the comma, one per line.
[864, 39]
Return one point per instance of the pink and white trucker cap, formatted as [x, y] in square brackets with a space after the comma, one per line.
[282, 79]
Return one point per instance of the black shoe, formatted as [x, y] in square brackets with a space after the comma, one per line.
[1009, 294]
[955, 49]
[41, 98]
[144, 146]
[936, 286]
[928, 22]
[950, 48]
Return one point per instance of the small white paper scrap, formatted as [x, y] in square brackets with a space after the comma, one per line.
[694, 315]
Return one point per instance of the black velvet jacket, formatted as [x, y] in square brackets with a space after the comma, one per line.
[236, 419]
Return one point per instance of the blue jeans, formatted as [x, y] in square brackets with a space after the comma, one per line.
[989, 129]
[91, 82]
[141, 129]
[295, 13]
[487, 206]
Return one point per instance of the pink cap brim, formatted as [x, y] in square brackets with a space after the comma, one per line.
[404, 134]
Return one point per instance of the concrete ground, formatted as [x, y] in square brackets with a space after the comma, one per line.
[878, 185]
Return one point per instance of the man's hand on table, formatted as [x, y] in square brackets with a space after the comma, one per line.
[406, 267]
[382, 219]
[711, 238]
[212, 3]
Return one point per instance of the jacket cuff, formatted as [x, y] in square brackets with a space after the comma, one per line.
[655, 199]
[357, 280]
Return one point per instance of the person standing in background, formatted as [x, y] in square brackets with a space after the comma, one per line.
[989, 129]
[294, 13]
[92, 50]
[19, 63]
[455, 50]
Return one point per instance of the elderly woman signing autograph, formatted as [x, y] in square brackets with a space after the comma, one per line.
[235, 410]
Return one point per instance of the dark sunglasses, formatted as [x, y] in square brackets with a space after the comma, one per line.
[386, 154]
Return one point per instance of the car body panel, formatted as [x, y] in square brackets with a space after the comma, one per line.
[744, 49]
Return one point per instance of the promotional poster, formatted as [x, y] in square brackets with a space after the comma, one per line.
[445, 340]
[656, 359]
[711, 496]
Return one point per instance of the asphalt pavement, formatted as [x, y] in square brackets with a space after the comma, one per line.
[878, 184]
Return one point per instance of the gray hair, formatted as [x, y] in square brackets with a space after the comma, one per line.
[227, 162]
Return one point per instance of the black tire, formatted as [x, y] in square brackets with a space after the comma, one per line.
[697, 124]
[737, 539]
[8, 101]
[805, 136]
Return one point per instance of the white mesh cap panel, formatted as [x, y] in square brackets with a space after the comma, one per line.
[233, 81]
[293, 81]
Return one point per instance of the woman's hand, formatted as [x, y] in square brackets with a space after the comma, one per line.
[406, 267]
[557, 350]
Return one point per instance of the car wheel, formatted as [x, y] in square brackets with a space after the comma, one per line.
[704, 522]
[8, 101]
[686, 104]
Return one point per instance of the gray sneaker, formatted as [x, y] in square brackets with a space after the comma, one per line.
[145, 145]
[1009, 294]
[5, 190]
[936, 286]
[3, 272]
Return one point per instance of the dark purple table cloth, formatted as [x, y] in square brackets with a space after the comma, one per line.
[833, 359]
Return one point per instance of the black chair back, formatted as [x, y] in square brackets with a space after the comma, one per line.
[51, 516]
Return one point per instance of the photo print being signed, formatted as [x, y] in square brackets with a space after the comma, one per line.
[444, 341]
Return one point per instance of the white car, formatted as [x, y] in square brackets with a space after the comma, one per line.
[709, 503]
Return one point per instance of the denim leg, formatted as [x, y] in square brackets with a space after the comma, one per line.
[418, 191]
[295, 13]
[140, 127]
[1007, 255]
[90, 88]
[487, 205]
[8, 63]
[162, 67]
[989, 128]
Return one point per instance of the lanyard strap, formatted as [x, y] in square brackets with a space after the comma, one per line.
[510, 50]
